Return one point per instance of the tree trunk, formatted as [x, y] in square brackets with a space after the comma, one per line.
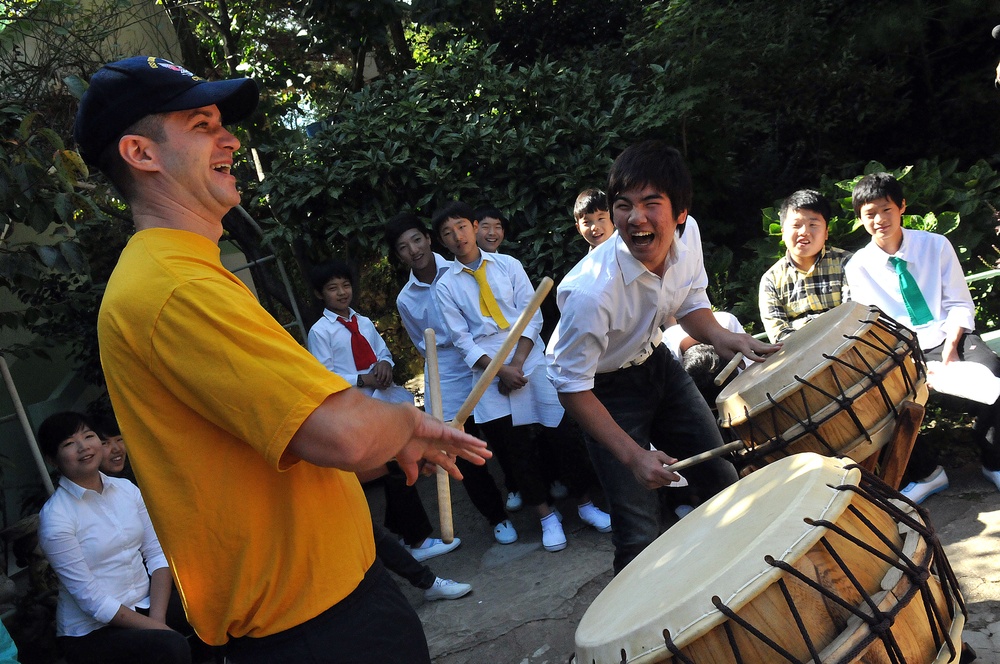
[404, 56]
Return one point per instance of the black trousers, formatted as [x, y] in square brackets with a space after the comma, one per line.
[399, 561]
[923, 461]
[520, 446]
[114, 645]
[373, 625]
[564, 457]
[404, 512]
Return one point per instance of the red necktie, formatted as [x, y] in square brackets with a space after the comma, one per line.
[364, 356]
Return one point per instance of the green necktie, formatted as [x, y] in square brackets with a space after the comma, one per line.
[914, 300]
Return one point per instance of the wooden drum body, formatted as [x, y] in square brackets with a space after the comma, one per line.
[834, 388]
[809, 559]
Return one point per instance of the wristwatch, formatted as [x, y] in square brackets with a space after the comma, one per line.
[360, 383]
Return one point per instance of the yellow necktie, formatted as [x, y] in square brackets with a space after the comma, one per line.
[487, 302]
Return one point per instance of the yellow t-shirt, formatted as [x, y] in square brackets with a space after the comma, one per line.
[208, 389]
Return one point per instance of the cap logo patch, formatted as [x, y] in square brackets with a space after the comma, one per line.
[156, 63]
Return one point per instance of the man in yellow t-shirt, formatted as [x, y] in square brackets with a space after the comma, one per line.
[244, 445]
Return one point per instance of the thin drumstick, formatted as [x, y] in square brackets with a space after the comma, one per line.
[479, 389]
[729, 368]
[705, 456]
[432, 388]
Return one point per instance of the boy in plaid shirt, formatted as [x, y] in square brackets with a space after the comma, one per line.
[809, 279]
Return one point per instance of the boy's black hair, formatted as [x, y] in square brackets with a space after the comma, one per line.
[57, 428]
[806, 199]
[702, 363]
[399, 224]
[656, 164]
[320, 274]
[489, 211]
[106, 427]
[452, 210]
[873, 187]
[590, 201]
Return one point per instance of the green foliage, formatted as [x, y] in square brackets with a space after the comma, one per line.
[762, 98]
[524, 139]
[53, 223]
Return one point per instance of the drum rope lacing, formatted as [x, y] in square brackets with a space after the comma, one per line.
[879, 622]
[776, 442]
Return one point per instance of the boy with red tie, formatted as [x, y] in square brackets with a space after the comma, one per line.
[348, 344]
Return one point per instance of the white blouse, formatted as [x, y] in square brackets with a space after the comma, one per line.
[103, 549]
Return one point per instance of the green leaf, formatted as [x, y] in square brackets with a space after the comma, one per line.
[76, 85]
[49, 255]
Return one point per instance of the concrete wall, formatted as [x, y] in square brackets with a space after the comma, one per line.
[143, 29]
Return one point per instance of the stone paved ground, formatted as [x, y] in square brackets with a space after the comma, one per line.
[527, 602]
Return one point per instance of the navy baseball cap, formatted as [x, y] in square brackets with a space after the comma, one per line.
[124, 92]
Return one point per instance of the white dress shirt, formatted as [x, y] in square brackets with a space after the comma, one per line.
[932, 261]
[103, 549]
[613, 309]
[476, 335]
[418, 309]
[330, 342]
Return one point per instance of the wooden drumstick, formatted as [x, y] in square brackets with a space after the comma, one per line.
[705, 456]
[729, 368]
[432, 388]
[501, 355]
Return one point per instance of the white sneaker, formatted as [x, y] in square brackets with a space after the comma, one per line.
[918, 492]
[553, 537]
[514, 502]
[446, 589]
[558, 490]
[594, 516]
[504, 532]
[432, 547]
[992, 476]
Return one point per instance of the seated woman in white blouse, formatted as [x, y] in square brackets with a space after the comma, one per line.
[114, 583]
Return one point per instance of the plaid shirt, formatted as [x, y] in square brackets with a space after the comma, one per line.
[790, 298]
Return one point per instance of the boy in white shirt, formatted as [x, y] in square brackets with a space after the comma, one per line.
[480, 296]
[348, 344]
[410, 241]
[630, 397]
[915, 277]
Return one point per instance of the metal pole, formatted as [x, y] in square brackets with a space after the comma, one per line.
[281, 269]
[23, 418]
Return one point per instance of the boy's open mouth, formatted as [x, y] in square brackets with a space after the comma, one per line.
[642, 238]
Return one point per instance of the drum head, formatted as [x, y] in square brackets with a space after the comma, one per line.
[716, 550]
[801, 355]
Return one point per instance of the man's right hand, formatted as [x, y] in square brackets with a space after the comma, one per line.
[441, 445]
[354, 432]
[649, 468]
